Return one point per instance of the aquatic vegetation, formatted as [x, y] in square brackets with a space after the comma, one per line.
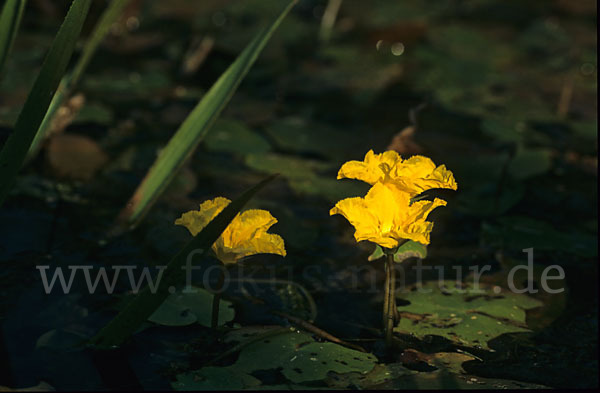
[246, 235]
[387, 215]
[162, 106]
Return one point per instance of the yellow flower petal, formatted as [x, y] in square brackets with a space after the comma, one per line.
[372, 216]
[356, 211]
[196, 220]
[420, 210]
[385, 216]
[245, 235]
[246, 225]
[413, 175]
[262, 243]
[414, 225]
[369, 170]
[419, 232]
[269, 243]
[418, 174]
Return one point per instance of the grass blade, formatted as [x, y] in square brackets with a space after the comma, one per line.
[146, 302]
[10, 19]
[15, 149]
[194, 128]
[68, 83]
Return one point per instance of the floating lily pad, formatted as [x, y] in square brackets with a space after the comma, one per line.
[585, 130]
[471, 170]
[94, 113]
[303, 176]
[245, 333]
[184, 309]
[118, 84]
[381, 373]
[296, 134]
[233, 136]
[530, 162]
[501, 130]
[300, 358]
[467, 318]
[450, 361]
[490, 199]
[297, 355]
[288, 166]
[61, 339]
[522, 271]
[214, 378]
[445, 380]
[329, 188]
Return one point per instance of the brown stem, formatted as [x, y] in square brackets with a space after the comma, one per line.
[217, 300]
[386, 295]
[319, 332]
[390, 290]
[395, 312]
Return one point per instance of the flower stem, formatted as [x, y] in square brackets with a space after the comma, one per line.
[217, 301]
[393, 306]
[386, 295]
[390, 300]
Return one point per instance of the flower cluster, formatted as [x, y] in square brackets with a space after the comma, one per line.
[386, 215]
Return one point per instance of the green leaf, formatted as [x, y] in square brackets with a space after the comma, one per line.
[377, 253]
[491, 199]
[94, 113]
[184, 309]
[299, 357]
[290, 167]
[214, 378]
[15, 149]
[329, 188]
[233, 136]
[409, 249]
[444, 380]
[299, 135]
[10, 19]
[194, 128]
[303, 176]
[464, 316]
[381, 373]
[501, 130]
[146, 302]
[530, 162]
[68, 83]
[63, 339]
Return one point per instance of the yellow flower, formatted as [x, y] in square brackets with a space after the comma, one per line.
[414, 175]
[369, 170]
[385, 216]
[418, 174]
[246, 234]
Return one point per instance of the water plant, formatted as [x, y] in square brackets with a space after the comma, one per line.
[392, 212]
[14, 151]
[246, 235]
